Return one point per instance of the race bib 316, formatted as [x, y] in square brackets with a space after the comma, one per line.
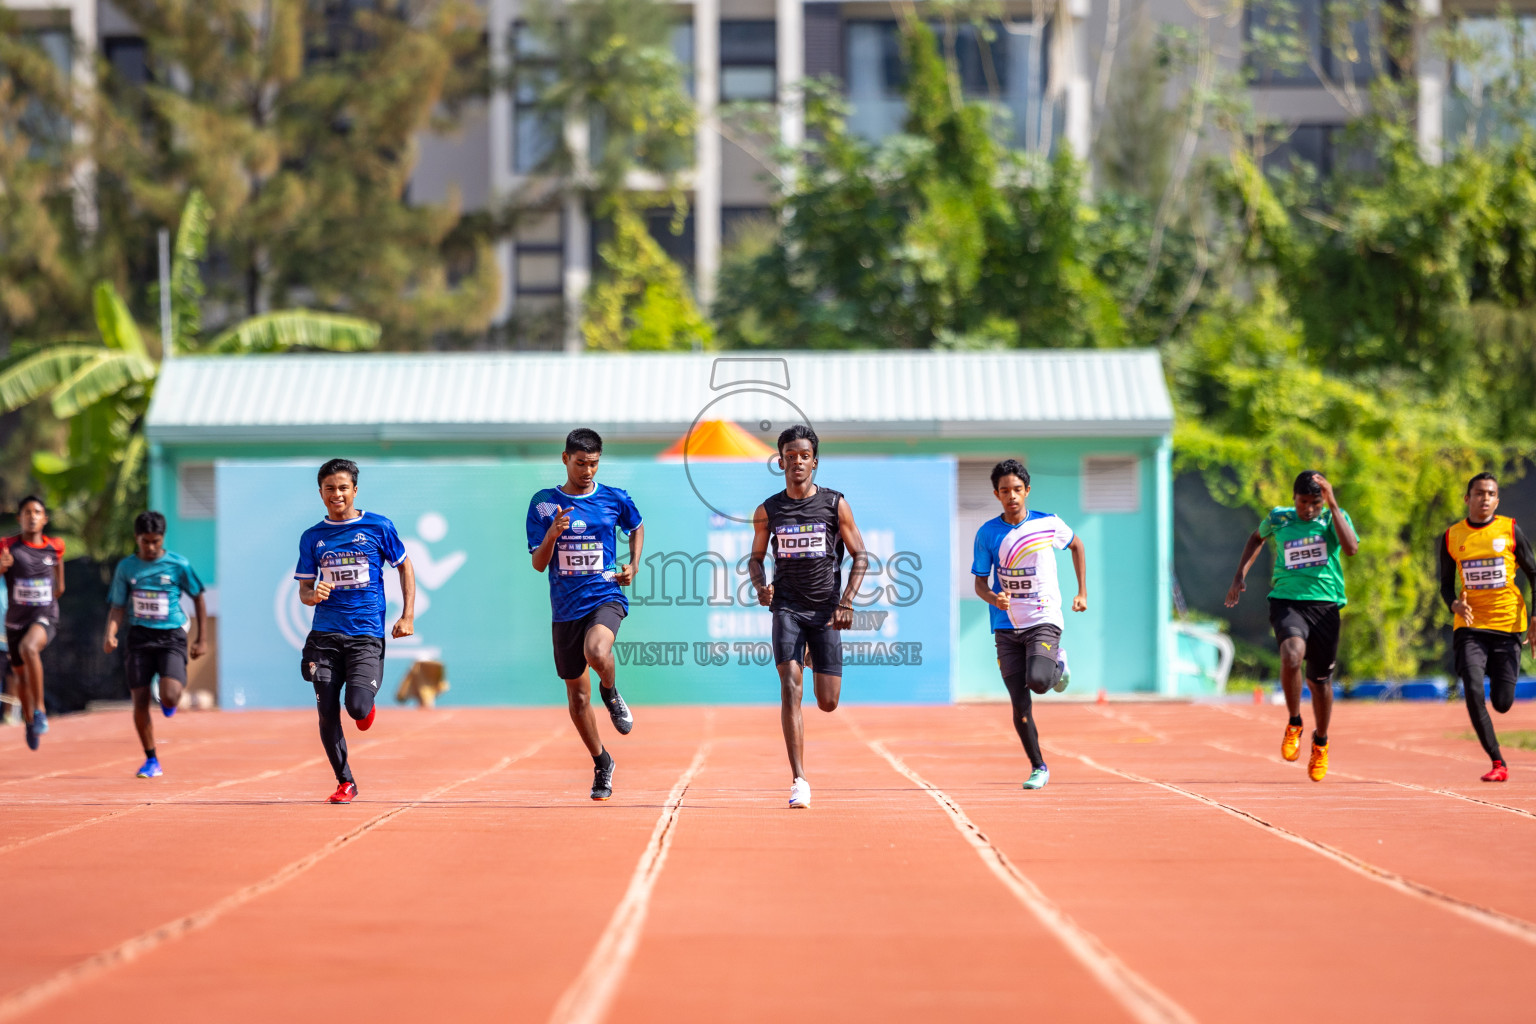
[152, 605]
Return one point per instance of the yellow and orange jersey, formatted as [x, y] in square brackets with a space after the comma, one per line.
[1481, 561]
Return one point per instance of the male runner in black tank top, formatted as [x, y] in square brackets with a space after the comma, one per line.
[34, 579]
[810, 528]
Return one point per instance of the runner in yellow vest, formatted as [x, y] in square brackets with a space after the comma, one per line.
[1492, 622]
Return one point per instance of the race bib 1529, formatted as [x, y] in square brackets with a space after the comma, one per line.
[1306, 553]
[152, 605]
[805, 540]
[346, 572]
[579, 557]
[1483, 574]
[1021, 582]
[34, 592]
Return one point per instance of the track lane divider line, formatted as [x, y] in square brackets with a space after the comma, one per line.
[1140, 998]
[1507, 924]
[38, 993]
[591, 994]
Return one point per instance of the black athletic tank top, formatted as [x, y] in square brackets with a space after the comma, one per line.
[807, 549]
[29, 582]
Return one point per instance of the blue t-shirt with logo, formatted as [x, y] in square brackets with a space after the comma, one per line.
[150, 592]
[583, 563]
[351, 556]
[1020, 558]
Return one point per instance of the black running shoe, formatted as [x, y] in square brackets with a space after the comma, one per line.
[617, 710]
[602, 780]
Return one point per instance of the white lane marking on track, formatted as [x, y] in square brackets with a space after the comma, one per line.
[1141, 999]
[1498, 921]
[1385, 782]
[185, 797]
[588, 998]
[1401, 747]
[1124, 719]
[25, 999]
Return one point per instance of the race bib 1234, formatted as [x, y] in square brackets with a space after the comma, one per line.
[34, 592]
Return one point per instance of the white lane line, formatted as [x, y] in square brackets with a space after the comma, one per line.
[1507, 924]
[1141, 999]
[588, 998]
[1384, 782]
[32, 996]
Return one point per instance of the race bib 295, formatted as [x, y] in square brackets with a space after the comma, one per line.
[1306, 553]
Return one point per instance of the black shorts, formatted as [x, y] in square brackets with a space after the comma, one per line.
[1016, 646]
[1487, 652]
[154, 652]
[571, 637]
[13, 636]
[340, 660]
[1316, 622]
[798, 632]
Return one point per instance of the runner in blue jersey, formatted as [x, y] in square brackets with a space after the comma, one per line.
[1014, 566]
[341, 566]
[146, 591]
[573, 535]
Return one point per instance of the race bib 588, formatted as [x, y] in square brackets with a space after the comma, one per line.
[152, 605]
[346, 572]
[1483, 574]
[1019, 582]
[579, 557]
[34, 592]
[1306, 553]
[807, 540]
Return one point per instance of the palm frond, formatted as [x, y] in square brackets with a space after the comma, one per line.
[128, 471]
[105, 375]
[297, 328]
[34, 375]
[118, 331]
[186, 278]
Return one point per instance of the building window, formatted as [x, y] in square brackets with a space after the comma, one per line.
[735, 221]
[1009, 69]
[682, 49]
[748, 62]
[535, 130]
[1326, 147]
[1111, 483]
[1287, 43]
[539, 261]
[47, 126]
[1489, 84]
[196, 493]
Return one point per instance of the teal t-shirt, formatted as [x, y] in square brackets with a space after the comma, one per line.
[150, 592]
[1306, 556]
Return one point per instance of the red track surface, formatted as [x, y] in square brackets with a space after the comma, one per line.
[1174, 869]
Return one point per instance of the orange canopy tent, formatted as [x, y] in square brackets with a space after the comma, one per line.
[718, 440]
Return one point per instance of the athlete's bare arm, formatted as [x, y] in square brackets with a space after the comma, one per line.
[985, 592]
[1348, 542]
[626, 574]
[546, 549]
[853, 543]
[406, 626]
[200, 639]
[6, 558]
[1079, 566]
[1250, 552]
[58, 579]
[759, 552]
[114, 623]
[312, 592]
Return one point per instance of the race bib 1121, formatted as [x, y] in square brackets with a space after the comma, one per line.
[1483, 574]
[152, 605]
[1306, 553]
[34, 592]
[803, 540]
[346, 572]
[579, 557]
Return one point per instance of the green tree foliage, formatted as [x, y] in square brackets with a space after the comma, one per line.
[102, 388]
[301, 129]
[641, 300]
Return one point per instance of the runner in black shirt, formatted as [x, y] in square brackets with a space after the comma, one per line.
[34, 580]
[810, 528]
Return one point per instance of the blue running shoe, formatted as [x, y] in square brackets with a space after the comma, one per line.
[31, 736]
[167, 710]
[39, 722]
[150, 769]
[1038, 778]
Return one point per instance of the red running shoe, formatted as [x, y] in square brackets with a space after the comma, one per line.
[1498, 773]
[344, 793]
[364, 724]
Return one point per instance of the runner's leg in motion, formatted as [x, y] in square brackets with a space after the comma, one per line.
[29, 682]
[1041, 673]
[1024, 716]
[141, 718]
[1293, 654]
[1471, 667]
[791, 690]
[1322, 707]
[578, 698]
[829, 690]
[598, 649]
[327, 680]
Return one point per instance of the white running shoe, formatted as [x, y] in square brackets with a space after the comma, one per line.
[1066, 673]
[800, 794]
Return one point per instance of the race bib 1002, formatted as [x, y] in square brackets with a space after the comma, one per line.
[1020, 582]
[33, 592]
[152, 605]
[1306, 553]
[579, 557]
[805, 540]
[1483, 574]
[346, 572]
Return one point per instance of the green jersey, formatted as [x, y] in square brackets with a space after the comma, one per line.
[1306, 556]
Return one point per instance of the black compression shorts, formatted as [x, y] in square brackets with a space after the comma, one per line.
[154, 652]
[336, 658]
[571, 637]
[1316, 622]
[13, 637]
[799, 633]
[1016, 646]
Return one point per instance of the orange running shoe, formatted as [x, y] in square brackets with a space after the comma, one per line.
[343, 795]
[1290, 747]
[1317, 764]
[1498, 773]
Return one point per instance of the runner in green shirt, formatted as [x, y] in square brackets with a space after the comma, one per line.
[1305, 595]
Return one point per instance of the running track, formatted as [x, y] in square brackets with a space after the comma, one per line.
[1174, 870]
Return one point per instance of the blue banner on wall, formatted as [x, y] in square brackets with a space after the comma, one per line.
[695, 633]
